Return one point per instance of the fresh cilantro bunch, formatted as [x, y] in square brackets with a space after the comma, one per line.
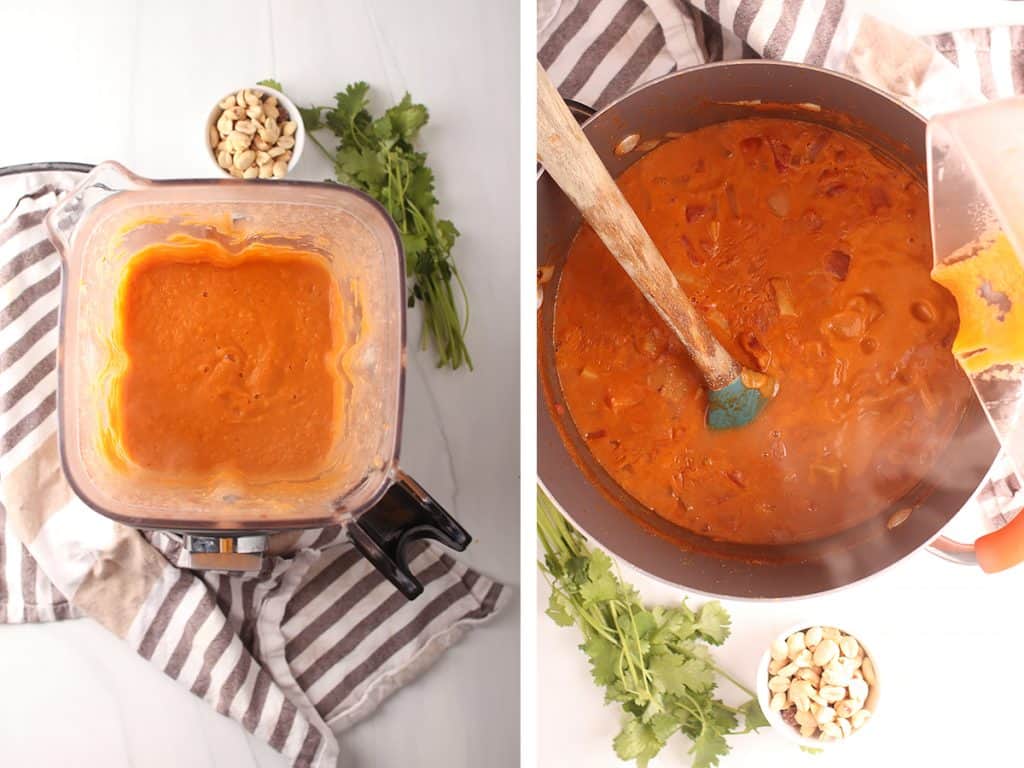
[655, 662]
[377, 155]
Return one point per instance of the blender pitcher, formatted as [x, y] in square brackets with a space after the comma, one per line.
[114, 213]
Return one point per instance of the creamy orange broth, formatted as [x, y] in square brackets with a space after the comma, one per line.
[229, 362]
[809, 256]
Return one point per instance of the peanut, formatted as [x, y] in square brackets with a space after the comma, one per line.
[794, 643]
[826, 651]
[848, 707]
[778, 684]
[869, 671]
[858, 690]
[850, 647]
[789, 670]
[832, 693]
[812, 637]
[859, 718]
[824, 714]
[244, 159]
[810, 675]
[238, 141]
[831, 731]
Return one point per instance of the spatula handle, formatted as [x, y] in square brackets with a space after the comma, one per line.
[567, 155]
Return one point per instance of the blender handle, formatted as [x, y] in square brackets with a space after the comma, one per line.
[407, 513]
[994, 551]
[106, 179]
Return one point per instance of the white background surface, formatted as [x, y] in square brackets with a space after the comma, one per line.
[947, 638]
[134, 81]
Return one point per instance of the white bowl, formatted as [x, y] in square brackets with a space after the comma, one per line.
[774, 716]
[283, 101]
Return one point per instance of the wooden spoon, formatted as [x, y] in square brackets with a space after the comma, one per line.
[571, 161]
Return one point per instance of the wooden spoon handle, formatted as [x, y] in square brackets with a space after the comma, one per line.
[566, 154]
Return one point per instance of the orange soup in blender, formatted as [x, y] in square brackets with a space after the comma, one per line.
[228, 362]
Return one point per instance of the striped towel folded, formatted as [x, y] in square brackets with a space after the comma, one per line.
[313, 641]
[597, 50]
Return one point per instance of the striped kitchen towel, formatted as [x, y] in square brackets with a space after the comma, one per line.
[597, 50]
[313, 641]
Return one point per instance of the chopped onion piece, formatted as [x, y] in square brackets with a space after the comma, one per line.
[778, 201]
[730, 196]
[783, 296]
[715, 317]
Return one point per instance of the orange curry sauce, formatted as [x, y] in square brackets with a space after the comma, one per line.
[228, 361]
[809, 257]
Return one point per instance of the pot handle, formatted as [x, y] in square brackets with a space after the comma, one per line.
[994, 551]
[1000, 549]
[407, 513]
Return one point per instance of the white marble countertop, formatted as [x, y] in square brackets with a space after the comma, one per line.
[134, 81]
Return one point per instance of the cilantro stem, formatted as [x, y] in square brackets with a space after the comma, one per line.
[323, 149]
[733, 680]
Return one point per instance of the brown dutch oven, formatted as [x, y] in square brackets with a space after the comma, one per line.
[681, 102]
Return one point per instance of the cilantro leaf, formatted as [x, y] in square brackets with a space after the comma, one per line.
[559, 610]
[420, 191]
[407, 118]
[753, 717]
[311, 118]
[601, 589]
[604, 659]
[713, 622]
[671, 672]
[270, 83]
[707, 748]
[352, 102]
[637, 741]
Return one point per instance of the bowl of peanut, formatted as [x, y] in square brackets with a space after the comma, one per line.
[818, 685]
[255, 133]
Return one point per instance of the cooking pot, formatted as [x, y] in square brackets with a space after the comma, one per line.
[102, 223]
[678, 103]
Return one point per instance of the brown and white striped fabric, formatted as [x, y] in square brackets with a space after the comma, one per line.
[597, 50]
[313, 641]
